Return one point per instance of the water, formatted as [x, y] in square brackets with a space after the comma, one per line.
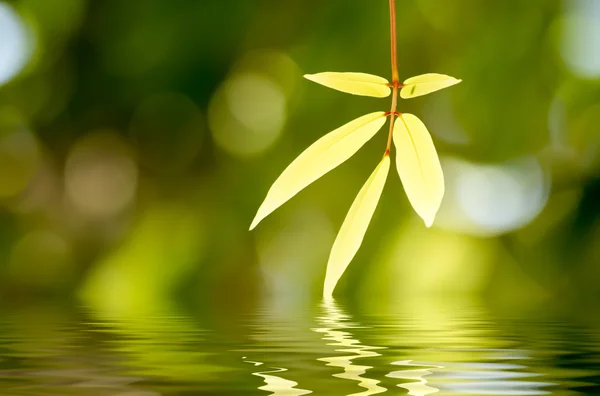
[323, 349]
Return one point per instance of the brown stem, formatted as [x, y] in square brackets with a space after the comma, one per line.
[393, 41]
[395, 79]
[392, 119]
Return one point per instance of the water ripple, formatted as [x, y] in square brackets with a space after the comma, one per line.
[415, 374]
[276, 384]
[337, 331]
[324, 349]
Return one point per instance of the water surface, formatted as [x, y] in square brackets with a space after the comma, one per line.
[324, 349]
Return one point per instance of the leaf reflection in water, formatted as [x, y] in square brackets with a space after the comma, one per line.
[418, 386]
[277, 385]
[336, 323]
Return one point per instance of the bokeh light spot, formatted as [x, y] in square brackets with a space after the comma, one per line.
[247, 114]
[256, 102]
[580, 45]
[278, 66]
[101, 175]
[15, 45]
[492, 199]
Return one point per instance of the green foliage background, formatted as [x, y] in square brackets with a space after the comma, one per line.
[139, 138]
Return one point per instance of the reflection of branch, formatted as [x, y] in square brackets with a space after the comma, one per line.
[335, 320]
[277, 385]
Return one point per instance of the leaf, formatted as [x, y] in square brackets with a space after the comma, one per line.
[353, 83]
[418, 166]
[355, 225]
[426, 83]
[322, 156]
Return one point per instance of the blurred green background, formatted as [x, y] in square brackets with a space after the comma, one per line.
[138, 138]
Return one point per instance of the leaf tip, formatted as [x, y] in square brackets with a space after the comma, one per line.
[254, 223]
[429, 219]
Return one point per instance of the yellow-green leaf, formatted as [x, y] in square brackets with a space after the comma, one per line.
[418, 166]
[322, 156]
[426, 83]
[355, 225]
[353, 83]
